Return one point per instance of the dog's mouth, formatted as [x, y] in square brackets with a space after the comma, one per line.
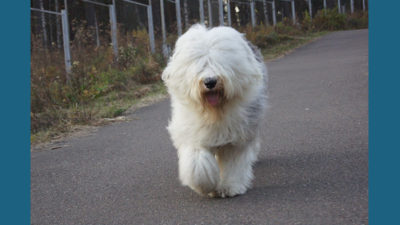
[213, 98]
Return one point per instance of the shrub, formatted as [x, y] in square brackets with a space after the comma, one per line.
[127, 56]
[329, 20]
[262, 36]
[286, 27]
[357, 20]
[97, 79]
[306, 24]
[54, 102]
[146, 70]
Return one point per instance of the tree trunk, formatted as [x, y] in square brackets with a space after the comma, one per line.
[89, 12]
[210, 20]
[58, 38]
[51, 23]
[186, 14]
[244, 14]
[266, 20]
[236, 14]
[96, 27]
[215, 11]
[287, 9]
[138, 17]
[44, 30]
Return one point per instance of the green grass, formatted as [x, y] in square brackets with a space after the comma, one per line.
[113, 92]
[114, 103]
[284, 47]
[101, 89]
[98, 112]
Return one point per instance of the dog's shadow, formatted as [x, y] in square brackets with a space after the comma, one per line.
[313, 174]
[301, 177]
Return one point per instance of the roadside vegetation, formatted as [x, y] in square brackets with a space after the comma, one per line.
[101, 87]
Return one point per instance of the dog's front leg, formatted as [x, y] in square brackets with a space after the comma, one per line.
[235, 163]
[198, 169]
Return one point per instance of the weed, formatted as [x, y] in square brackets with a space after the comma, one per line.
[101, 87]
[329, 19]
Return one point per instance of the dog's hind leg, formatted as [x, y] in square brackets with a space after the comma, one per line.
[198, 169]
[236, 163]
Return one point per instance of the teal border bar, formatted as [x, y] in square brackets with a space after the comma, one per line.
[384, 113]
[15, 112]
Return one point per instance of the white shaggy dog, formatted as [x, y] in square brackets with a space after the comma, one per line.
[216, 80]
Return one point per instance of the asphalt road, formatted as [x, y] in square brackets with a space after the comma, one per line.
[313, 167]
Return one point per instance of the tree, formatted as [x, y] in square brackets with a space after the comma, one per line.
[58, 28]
[43, 20]
[265, 12]
[186, 14]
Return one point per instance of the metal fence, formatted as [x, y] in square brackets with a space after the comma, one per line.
[65, 34]
[171, 17]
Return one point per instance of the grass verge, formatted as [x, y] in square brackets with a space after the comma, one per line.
[117, 102]
[101, 88]
[287, 46]
[108, 108]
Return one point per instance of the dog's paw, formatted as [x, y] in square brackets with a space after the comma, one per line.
[228, 192]
[218, 194]
[232, 190]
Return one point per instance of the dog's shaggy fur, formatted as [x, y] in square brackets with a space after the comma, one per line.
[217, 81]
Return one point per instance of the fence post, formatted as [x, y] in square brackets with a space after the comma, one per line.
[253, 20]
[96, 31]
[178, 16]
[293, 12]
[151, 27]
[209, 13]
[67, 54]
[273, 13]
[325, 4]
[221, 12]
[352, 6]
[338, 6]
[66, 14]
[228, 11]
[66, 6]
[201, 6]
[164, 34]
[113, 23]
[67, 30]
[364, 5]
[310, 8]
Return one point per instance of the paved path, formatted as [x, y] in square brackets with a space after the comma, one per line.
[313, 168]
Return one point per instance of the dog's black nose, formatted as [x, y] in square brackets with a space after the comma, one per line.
[210, 82]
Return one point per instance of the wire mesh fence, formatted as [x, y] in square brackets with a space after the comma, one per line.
[111, 25]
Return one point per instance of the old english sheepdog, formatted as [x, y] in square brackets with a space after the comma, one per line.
[216, 80]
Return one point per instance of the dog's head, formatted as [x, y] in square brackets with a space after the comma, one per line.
[212, 68]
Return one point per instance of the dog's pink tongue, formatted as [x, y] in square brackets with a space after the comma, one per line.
[212, 99]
